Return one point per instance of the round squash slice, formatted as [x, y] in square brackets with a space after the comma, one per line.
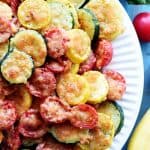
[79, 46]
[17, 67]
[34, 14]
[98, 86]
[109, 15]
[73, 88]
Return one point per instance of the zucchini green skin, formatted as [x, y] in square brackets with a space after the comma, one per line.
[7, 60]
[115, 111]
[4, 48]
[66, 133]
[89, 23]
[31, 142]
[121, 117]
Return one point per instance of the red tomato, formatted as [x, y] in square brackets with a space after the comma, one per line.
[6, 88]
[13, 139]
[117, 84]
[84, 116]
[42, 83]
[55, 66]
[56, 42]
[5, 30]
[142, 25]
[114, 75]
[66, 63]
[14, 5]
[89, 64]
[8, 114]
[31, 124]
[103, 53]
[53, 110]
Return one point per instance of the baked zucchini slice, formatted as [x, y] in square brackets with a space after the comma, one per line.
[27, 142]
[32, 43]
[115, 111]
[3, 50]
[71, 8]
[61, 16]
[89, 23]
[66, 133]
[34, 14]
[79, 46]
[98, 86]
[102, 135]
[110, 17]
[78, 3]
[17, 67]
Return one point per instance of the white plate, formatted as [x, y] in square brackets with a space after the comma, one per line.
[128, 61]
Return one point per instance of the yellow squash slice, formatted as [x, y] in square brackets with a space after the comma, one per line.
[74, 68]
[22, 99]
[98, 86]
[73, 88]
[34, 14]
[79, 46]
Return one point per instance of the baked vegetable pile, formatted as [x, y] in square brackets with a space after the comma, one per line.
[55, 92]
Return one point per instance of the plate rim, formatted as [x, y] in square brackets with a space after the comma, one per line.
[141, 77]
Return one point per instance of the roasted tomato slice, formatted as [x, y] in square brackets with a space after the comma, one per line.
[42, 83]
[55, 66]
[51, 144]
[8, 114]
[66, 63]
[84, 116]
[54, 110]
[13, 139]
[117, 84]
[31, 124]
[56, 41]
[5, 30]
[5, 88]
[89, 64]
[14, 5]
[104, 53]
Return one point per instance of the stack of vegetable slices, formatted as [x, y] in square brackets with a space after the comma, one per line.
[55, 92]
